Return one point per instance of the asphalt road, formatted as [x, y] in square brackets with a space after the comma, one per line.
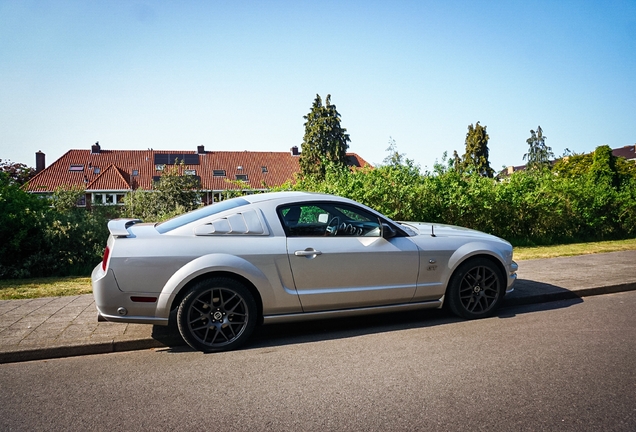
[568, 365]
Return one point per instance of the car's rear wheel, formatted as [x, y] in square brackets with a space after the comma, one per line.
[217, 315]
[476, 289]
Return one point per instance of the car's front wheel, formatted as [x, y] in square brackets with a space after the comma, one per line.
[476, 289]
[217, 315]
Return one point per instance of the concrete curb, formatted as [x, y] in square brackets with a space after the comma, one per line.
[45, 353]
[78, 350]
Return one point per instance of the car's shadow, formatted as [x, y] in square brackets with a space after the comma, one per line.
[528, 297]
[532, 292]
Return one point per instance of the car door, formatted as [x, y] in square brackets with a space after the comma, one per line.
[339, 259]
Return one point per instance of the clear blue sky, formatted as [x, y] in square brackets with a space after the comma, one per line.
[236, 75]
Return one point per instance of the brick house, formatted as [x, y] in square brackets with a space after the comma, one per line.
[627, 152]
[108, 175]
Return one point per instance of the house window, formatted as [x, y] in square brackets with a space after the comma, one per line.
[190, 172]
[96, 170]
[263, 169]
[135, 172]
[242, 177]
[218, 173]
[81, 202]
[76, 168]
[108, 199]
[159, 167]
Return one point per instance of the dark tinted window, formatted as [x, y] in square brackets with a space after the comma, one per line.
[328, 219]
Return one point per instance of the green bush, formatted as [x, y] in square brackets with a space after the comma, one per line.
[591, 199]
[48, 237]
[537, 207]
[22, 223]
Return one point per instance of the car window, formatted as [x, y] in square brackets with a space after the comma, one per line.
[186, 218]
[328, 219]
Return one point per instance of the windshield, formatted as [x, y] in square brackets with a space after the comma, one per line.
[186, 218]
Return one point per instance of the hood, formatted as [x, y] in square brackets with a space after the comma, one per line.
[442, 230]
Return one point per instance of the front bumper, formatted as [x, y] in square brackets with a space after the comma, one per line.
[512, 277]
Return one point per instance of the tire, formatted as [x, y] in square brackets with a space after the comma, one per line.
[217, 315]
[476, 289]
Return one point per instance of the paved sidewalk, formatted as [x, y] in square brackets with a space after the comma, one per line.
[67, 326]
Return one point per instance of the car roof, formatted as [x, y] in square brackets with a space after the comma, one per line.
[269, 196]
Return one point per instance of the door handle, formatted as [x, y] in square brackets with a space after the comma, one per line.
[307, 252]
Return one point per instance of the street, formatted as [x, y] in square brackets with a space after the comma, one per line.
[568, 365]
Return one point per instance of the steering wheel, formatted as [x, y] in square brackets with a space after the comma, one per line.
[332, 226]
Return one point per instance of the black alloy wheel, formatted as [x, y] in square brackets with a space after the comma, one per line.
[476, 289]
[217, 315]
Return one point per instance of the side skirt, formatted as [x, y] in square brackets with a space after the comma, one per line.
[343, 313]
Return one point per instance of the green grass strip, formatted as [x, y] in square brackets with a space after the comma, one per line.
[13, 289]
[526, 253]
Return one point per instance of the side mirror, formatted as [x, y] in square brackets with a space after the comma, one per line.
[388, 231]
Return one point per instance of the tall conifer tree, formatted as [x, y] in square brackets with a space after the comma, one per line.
[539, 154]
[325, 139]
[476, 156]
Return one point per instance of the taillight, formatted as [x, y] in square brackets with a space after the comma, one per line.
[105, 260]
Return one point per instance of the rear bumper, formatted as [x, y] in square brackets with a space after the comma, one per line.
[131, 319]
[117, 306]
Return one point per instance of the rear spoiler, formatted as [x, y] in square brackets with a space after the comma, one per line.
[119, 227]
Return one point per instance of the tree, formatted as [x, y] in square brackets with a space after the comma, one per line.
[539, 154]
[325, 139]
[476, 157]
[18, 173]
[173, 194]
[456, 161]
[394, 158]
[65, 198]
[603, 168]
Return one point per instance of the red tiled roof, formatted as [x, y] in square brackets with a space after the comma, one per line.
[112, 178]
[628, 152]
[116, 170]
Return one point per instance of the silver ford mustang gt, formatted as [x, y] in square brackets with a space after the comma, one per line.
[287, 256]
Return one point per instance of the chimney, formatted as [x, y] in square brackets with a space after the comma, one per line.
[96, 149]
[201, 149]
[294, 151]
[40, 162]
